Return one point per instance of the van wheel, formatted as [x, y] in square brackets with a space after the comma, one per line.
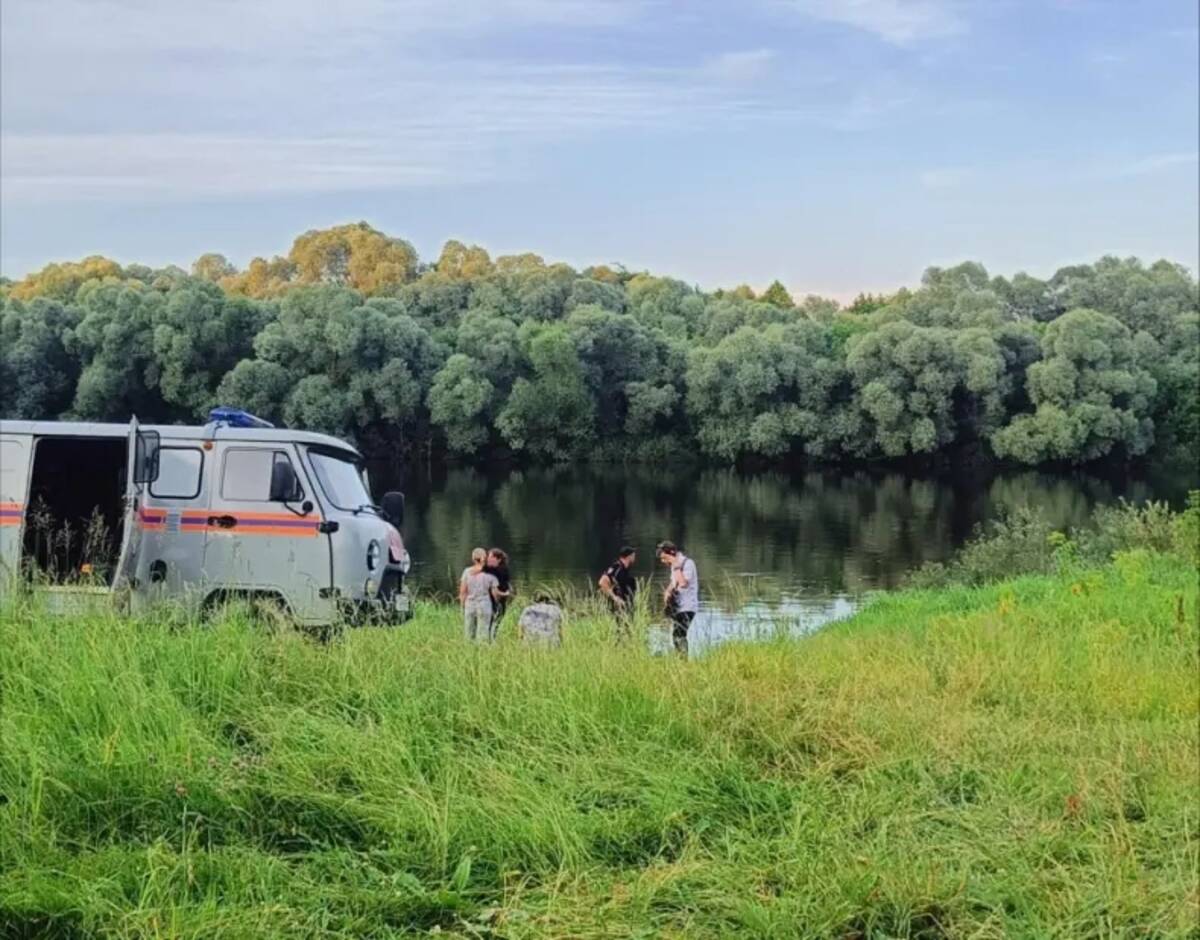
[263, 609]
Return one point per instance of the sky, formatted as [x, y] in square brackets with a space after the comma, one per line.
[837, 145]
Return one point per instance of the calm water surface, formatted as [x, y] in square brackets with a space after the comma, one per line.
[773, 548]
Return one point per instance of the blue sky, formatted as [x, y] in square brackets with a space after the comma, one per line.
[837, 145]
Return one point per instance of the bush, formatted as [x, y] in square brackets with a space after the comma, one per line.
[1016, 543]
[1022, 542]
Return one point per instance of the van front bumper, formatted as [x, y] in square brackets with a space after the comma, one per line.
[386, 603]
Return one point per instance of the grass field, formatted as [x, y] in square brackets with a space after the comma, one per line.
[1019, 759]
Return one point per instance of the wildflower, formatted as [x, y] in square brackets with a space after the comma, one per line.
[180, 790]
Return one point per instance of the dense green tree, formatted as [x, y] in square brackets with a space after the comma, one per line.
[777, 296]
[38, 375]
[114, 342]
[462, 403]
[912, 381]
[492, 340]
[350, 333]
[1144, 299]
[199, 334]
[865, 303]
[665, 304]
[1027, 298]
[356, 368]
[1091, 393]
[586, 291]
[764, 392]
[614, 350]
[550, 415]
[259, 386]
[1175, 365]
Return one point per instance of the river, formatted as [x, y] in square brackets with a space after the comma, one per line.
[773, 548]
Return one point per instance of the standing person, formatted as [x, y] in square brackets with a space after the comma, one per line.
[619, 586]
[497, 567]
[476, 591]
[541, 622]
[682, 596]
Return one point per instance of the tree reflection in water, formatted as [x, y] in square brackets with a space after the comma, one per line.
[772, 547]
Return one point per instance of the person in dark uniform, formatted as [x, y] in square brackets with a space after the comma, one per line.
[497, 567]
[619, 586]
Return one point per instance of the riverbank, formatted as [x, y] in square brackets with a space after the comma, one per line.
[1012, 759]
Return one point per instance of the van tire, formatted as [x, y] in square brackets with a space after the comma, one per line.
[267, 607]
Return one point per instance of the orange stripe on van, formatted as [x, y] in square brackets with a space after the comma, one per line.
[293, 533]
[252, 523]
[153, 520]
[283, 516]
[288, 524]
[11, 513]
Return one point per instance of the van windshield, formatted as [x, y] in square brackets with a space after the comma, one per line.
[341, 479]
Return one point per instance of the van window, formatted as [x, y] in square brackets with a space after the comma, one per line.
[247, 474]
[341, 479]
[179, 471]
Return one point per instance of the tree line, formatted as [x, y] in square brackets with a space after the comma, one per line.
[351, 333]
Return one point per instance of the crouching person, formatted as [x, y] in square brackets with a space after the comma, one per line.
[540, 623]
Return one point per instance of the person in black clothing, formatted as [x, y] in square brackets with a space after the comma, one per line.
[497, 566]
[619, 586]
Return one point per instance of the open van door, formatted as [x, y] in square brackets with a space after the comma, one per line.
[15, 452]
[141, 469]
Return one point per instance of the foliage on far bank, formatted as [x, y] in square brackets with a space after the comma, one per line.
[352, 334]
[1024, 541]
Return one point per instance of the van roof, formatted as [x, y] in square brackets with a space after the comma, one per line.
[174, 432]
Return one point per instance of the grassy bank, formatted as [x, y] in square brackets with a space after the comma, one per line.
[1013, 759]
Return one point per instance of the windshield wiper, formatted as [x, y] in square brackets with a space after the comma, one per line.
[365, 506]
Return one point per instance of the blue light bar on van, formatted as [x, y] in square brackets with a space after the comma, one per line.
[236, 418]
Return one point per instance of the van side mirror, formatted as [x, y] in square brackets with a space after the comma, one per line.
[393, 507]
[145, 456]
[285, 486]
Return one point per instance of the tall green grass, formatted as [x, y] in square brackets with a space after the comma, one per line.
[1019, 759]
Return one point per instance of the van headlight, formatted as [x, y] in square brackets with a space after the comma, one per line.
[373, 552]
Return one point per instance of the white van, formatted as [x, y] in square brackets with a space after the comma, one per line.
[197, 515]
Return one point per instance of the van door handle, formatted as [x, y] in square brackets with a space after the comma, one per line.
[224, 522]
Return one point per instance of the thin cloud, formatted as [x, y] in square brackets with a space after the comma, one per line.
[950, 177]
[899, 22]
[740, 66]
[123, 99]
[1158, 162]
[464, 127]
